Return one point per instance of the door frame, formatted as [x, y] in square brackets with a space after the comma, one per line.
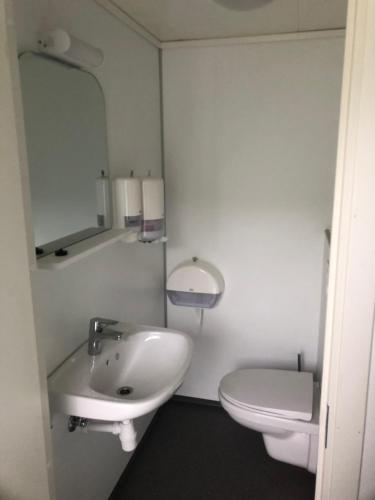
[351, 290]
[26, 471]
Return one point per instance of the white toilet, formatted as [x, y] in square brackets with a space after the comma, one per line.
[282, 405]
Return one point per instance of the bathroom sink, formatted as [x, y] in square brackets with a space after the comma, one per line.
[129, 378]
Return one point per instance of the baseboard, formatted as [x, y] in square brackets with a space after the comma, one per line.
[196, 401]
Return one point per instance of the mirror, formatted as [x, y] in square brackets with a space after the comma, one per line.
[65, 126]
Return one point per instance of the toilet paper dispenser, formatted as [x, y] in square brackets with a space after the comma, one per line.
[195, 283]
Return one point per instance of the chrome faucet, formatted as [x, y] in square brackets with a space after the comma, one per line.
[98, 331]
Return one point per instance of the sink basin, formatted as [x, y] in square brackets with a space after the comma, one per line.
[129, 378]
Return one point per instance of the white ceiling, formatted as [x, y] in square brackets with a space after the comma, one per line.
[172, 20]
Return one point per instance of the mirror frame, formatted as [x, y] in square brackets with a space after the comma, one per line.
[58, 246]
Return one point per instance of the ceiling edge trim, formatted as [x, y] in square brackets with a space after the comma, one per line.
[113, 9]
[245, 40]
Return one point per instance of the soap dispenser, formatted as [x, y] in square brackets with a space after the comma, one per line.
[128, 203]
[153, 209]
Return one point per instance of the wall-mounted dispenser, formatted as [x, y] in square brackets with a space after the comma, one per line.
[61, 45]
[103, 201]
[195, 283]
[153, 209]
[127, 192]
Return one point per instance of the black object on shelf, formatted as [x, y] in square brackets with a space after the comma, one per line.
[61, 252]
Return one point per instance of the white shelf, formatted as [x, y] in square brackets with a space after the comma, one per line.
[81, 250]
[87, 247]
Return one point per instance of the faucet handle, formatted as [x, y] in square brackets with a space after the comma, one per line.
[97, 323]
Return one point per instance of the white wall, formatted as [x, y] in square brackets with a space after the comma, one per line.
[250, 144]
[124, 282]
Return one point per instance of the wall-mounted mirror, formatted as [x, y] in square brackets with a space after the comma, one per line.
[66, 134]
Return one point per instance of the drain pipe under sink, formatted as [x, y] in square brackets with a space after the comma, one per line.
[124, 430]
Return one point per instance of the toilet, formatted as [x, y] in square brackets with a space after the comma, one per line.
[283, 405]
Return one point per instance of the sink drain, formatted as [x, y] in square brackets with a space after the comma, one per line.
[125, 390]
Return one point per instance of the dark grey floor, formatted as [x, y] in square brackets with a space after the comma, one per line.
[197, 452]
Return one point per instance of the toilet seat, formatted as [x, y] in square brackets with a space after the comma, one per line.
[264, 422]
[278, 393]
[282, 405]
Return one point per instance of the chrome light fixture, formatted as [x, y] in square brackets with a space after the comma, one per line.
[59, 44]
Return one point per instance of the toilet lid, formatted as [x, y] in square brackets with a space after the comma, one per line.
[288, 394]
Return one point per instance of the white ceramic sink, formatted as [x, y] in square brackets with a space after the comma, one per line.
[151, 361]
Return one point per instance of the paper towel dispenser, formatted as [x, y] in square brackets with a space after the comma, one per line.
[195, 283]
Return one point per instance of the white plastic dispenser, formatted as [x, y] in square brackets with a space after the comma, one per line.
[195, 283]
[103, 201]
[153, 209]
[128, 203]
